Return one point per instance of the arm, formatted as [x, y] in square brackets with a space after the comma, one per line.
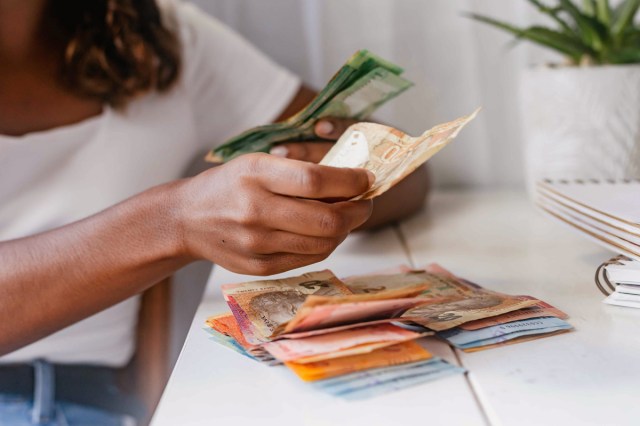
[400, 202]
[256, 215]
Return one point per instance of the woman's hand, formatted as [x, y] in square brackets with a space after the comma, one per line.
[403, 200]
[260, 214]
[328, 128]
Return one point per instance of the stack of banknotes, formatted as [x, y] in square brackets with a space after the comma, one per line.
[363, 84]
[360, 336]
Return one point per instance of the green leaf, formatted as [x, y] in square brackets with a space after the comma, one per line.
[563, 43]
[623, 17]
[630, 55]
[570, 46]
[553, 13]
[589, 7]
[631, 38]
[603, 12]
[593, 32]
[495, 23]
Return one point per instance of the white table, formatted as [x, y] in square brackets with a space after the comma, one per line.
[493, 238]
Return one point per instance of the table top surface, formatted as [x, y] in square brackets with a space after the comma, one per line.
[496, 239]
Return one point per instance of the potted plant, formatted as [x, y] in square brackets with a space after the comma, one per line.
[581, 118]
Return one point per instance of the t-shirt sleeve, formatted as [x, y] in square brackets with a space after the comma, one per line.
[231, 85]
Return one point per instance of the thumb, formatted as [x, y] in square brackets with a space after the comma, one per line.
[332, 128]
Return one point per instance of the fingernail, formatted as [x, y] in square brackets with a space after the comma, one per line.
[279, 151]
[324, 128]
[372, 177]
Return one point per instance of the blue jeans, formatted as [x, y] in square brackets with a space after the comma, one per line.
[42, 408]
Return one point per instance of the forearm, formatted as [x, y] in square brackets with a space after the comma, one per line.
[69, 273]
[401, 201]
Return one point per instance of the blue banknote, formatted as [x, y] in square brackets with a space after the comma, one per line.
[503, 332]
[374, 382]
[226, 341]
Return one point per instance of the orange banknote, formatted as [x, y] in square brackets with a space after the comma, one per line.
[226, 324]
[401, 353]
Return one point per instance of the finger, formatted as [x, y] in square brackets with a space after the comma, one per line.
[306, 180]
[318, 219]
[332, 128]
[303, 151]
[289, 242]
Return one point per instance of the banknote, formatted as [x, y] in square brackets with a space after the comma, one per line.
[370, 383]
[226, 341]
[482, 304]
[463, 338]
[400, 353]
[362, 279]
[226, 325]
[260, 307]
[437, 284]
[466, 302]
[514, 340]
[540, 309]
[440, 370]
[330, 316]
[346, 336]
[339, 344]
[362, 85]
[330, 311]
[302, 334]
[358, 379]
[454, 300]
[542, 332]
[389, 153]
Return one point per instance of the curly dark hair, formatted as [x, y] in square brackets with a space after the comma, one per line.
[114, 50]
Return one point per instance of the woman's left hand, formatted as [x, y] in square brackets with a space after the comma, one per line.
[327, 128]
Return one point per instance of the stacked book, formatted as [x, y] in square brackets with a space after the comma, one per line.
[620, 277]
[608, 213]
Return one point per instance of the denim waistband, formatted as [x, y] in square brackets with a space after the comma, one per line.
[88, 385]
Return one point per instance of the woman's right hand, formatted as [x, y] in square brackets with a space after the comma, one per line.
[260, 214]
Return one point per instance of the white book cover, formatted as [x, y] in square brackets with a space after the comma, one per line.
[624, 272]
[606, 212]
[627, 300]
[628, 289]
[615, 202]
[617, 244]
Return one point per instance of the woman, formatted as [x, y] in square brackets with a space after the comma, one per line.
[103, 105]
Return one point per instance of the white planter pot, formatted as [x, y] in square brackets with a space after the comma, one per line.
[581, 122]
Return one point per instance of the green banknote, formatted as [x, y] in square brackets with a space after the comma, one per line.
[363, 84]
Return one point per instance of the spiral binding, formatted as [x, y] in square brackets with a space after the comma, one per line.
[601, 278]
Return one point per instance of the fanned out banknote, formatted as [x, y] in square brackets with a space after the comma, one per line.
[363, 84]
[389, 153]
[540, 309]
[353, 341]
[360, 337]
[260, 307]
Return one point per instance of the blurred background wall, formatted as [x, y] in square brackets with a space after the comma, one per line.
[457, 64]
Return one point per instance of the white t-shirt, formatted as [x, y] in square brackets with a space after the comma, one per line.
[54, 177]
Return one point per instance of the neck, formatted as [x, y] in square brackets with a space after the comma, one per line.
[20, 23]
